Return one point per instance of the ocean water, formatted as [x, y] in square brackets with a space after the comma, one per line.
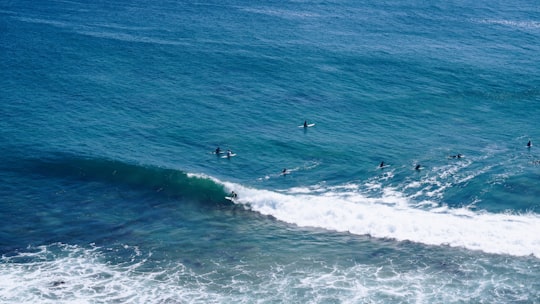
[110, 112]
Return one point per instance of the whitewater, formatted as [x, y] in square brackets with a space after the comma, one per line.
[111, 113]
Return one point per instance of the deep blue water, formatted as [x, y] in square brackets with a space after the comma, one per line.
[110, 192]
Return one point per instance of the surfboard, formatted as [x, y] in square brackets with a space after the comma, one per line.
[227, 156]
[308, 126]
[230, 198]
[385, 166]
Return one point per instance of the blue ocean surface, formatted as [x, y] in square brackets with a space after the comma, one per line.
[419, 181]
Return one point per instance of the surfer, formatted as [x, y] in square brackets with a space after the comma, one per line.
[305, 124]
[218, 151]
[459, 155]
[381, 165]
[233, 194]
[284, 171]
[58, 283]
[418, 167]
[529, 144]
[229, 153]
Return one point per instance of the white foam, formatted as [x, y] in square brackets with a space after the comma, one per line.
[282, 13]
[439, 179]
[61, 273]
[394, 216]
[45, 21]
[100, 32]
[529, 24]
[128, 37]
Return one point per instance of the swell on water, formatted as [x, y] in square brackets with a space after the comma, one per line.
[166, 181]
[391, 215]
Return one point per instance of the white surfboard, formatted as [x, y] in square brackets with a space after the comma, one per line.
[227, 156]
[308, 126]
[230, 198]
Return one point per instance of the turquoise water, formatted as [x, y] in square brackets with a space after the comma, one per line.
[110, 192]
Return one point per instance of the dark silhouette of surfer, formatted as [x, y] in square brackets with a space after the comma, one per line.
[418, 167]
[529, 144]
[58, 283]
[381, 165]
[305, 124]
[218, 151]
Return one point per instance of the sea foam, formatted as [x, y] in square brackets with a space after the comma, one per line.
[394, 216]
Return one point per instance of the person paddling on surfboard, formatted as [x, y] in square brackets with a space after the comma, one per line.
[305, 124]
[418, 167]
[529, 144]
[218, 151]
[381, 165]
[229, 153]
